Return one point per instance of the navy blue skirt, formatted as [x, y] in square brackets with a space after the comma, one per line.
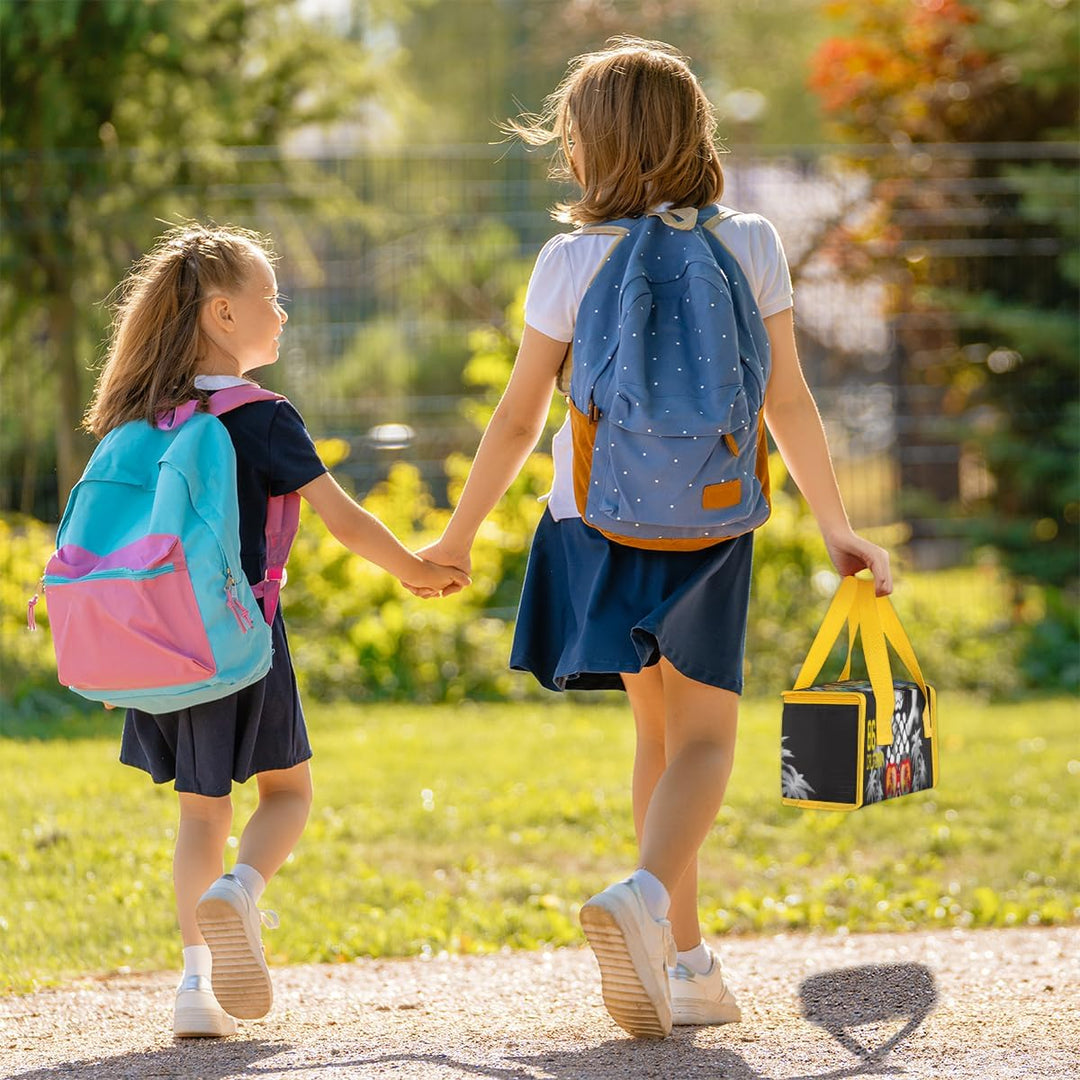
[207, 747]
[591, 608]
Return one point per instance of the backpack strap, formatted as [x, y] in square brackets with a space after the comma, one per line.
[282, 511]
[683, 218]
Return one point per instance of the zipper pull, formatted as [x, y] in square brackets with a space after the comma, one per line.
[241, 613]
[31, 618]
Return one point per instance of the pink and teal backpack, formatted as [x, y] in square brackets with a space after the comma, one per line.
[148, 604]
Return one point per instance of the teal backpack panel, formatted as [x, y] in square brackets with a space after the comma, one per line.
[148, 604]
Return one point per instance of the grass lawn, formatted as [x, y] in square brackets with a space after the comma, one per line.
[476, 827]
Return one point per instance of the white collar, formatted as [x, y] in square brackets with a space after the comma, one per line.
[220, 382]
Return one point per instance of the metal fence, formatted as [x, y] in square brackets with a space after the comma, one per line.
[437, 242]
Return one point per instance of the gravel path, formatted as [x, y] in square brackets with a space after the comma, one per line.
[961, 1005]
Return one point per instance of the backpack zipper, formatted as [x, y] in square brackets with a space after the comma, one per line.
[117, 572]
[232, 602]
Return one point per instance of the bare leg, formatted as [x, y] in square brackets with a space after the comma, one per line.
[279, 819]
[198, 860]
[700, 723]
[646, 693]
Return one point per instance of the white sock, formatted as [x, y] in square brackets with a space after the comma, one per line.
[652, 892]
[250, 878]
[698, 959]
[197, 960]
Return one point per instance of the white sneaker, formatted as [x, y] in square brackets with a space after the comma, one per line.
[634, 951]
[702, 999]
[197, 1013]
[229, 920]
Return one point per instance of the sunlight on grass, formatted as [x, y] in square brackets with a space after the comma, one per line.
[471, 828]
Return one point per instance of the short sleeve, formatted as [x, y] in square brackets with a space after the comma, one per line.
[293, 459]
[773, 277]
[551, 300]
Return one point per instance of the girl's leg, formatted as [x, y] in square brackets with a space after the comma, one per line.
[700, 727]
[199, 856]
[279, 819]
[646, 693]
[227, 911]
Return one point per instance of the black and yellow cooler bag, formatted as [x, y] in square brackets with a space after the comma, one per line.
[836, 753]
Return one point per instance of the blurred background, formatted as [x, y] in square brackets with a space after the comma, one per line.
[919, 158]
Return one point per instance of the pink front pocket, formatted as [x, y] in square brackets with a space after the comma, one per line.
[128, 620]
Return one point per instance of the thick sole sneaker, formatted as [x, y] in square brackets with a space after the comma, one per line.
[691, 1013]
[634, 987]
[229, 921]
[702, 999]
[197, 1014]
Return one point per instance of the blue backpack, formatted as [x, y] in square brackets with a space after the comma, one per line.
[670, 365]
[148, 605]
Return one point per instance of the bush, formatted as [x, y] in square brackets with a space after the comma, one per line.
[356, 635]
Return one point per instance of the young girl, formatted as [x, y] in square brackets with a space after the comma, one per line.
[196, 315]
[636, 132]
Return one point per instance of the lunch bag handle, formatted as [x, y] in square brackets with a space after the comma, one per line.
[874, 618]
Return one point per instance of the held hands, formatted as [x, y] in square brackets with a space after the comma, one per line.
[430, 578]
[851, 553]
[440, 556]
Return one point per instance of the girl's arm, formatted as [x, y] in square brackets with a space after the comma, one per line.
[509, 438]
[795, 425]
[368, 537]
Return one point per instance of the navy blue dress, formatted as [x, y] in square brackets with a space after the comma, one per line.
[207, 747]
[591, 609]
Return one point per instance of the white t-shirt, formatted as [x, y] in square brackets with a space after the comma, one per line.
[565, 268]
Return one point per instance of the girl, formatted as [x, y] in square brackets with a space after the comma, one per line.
[196, 315]
[636, 132]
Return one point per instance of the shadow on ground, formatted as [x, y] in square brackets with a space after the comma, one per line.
[841, 1002]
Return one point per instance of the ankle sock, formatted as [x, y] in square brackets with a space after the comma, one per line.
[197, 960]
[698, 959]
[652, 892]
[251, 879]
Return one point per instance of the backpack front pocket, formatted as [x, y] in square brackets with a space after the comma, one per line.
[662, 470]
[128, 620]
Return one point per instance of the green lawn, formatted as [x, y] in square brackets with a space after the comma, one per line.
[475, 827]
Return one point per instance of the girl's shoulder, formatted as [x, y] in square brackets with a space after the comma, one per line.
[732, 220]
[572, 255]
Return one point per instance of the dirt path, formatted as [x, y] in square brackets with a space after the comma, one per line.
[955, 1005]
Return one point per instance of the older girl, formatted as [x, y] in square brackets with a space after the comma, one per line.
[634, 129]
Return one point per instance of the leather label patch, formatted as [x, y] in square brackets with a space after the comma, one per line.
[721, 496]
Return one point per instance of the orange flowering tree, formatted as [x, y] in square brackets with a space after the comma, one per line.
[971, 109]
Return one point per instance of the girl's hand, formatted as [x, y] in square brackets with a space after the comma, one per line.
[428, 579]
[444, 555]
[851, 553]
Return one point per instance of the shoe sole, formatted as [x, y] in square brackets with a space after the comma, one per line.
[239, 976]
[623, 984]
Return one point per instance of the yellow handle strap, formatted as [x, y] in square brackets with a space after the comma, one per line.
[842, 606]
[898, 639]
[876, 656]
[852, 632]
[855, 604]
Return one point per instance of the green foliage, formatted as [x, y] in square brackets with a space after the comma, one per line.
[467, 828]
[97, 143]
[1006, 377]
[356, 634]
[525, 50]
[28, 686]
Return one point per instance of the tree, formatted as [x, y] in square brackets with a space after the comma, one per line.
[977, 224]
[118, 112]
[518, 51]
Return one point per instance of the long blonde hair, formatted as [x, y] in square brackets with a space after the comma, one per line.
[156, 343]
[647, 132]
